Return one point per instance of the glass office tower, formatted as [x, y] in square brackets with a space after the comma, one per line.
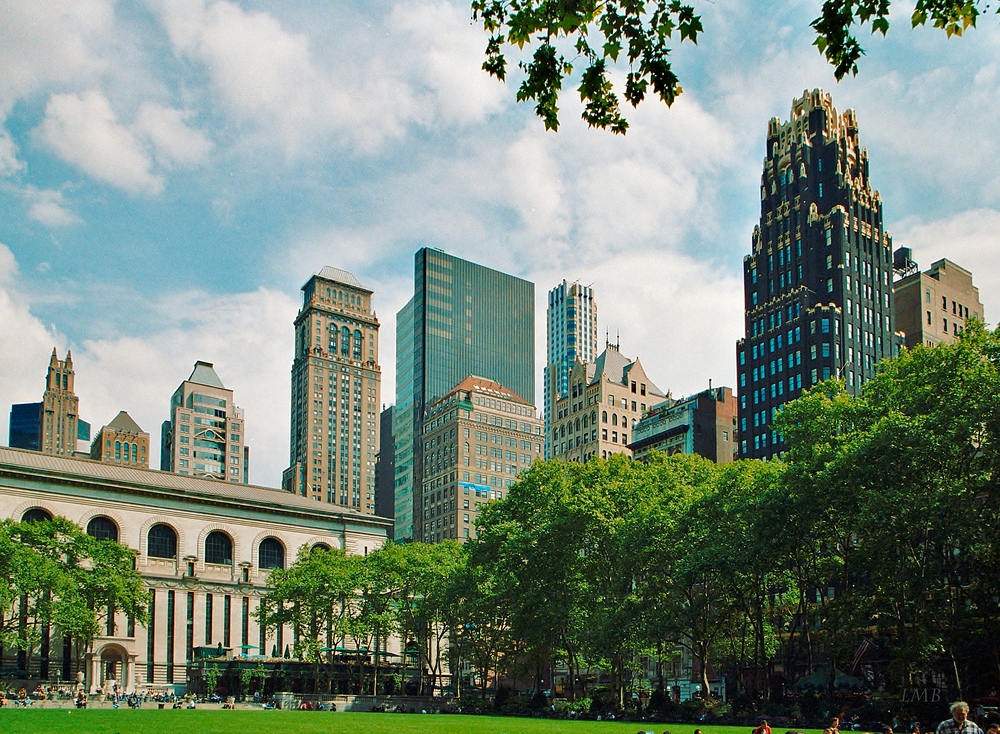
[464, 319]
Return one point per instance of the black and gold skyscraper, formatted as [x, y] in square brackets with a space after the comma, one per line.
[817, 285]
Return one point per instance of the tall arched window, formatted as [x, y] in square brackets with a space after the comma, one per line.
[604, 416]
[161, 542]
[36, 514]
[102, 528]
[357, 345]
[345, 341]
[118, 450]
[271, 554]
[614, 419]
[219, 548]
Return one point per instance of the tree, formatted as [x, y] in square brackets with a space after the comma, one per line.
[317, 596]
[55, 575]
[639, 32]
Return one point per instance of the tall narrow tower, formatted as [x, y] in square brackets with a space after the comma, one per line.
[60, 408]
[336, 385]
[464, 319]
[817, 285]
[571, 335]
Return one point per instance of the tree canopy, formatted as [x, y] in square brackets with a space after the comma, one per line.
[561, 35]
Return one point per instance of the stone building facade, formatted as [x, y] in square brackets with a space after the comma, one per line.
[931, 307]
[204, 550]
[336, 388]
[606, 398]
[122, 442]
[703, 424]
[477, 439]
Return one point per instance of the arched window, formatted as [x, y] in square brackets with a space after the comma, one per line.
[357, 344]
[334, 331]
[219, 548]
[271, 554]
[345, 340]
[614, 419]
[102, 528]
[604, 416]
[118, 450]
[36, 514]
[161, 542]
[320, 547]
[135, 453]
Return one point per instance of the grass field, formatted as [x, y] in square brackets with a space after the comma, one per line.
[62, 721]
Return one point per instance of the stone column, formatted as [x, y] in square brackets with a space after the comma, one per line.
[95, 673]
[128, 682]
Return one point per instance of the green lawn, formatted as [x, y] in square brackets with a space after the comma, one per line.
[153, 721]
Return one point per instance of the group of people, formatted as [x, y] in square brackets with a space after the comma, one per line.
[959, 723]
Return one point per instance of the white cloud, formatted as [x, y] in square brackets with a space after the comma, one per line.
[51, 42]
[970, 239]
[446, 57]
[174, 142]
[268, 78]
[84, 131]
[9, 164]
[25, 344]
[48, 206]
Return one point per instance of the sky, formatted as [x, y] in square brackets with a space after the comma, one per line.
[173, 171]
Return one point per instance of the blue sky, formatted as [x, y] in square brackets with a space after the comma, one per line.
[171, 173]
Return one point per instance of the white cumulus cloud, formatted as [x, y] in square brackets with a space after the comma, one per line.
[84, 131]
[174, 142]
[49, 207]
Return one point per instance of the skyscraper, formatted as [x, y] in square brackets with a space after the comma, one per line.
[817, 285]
[60, 408]
[571, 335]
[478, 438]
[464, 319]
[52, 426]
[205, 434]
[336, 383]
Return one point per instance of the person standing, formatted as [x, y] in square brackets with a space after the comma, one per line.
[959, 722]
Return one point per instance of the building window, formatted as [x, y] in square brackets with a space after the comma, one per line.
[271, 554]
[161, 542]
[102, 528]
[219, 548]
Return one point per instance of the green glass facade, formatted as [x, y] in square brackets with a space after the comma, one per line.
[464, 319]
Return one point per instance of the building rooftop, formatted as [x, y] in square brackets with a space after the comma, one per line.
[339, 276]
[123, 423]
[204, 374]
[486, 385]
[133, 480]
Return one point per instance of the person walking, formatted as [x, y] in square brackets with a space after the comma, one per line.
[959, 723]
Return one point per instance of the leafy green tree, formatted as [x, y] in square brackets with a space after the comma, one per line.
[55, 574]
[640, 33]
[318, 596]
[900, 484]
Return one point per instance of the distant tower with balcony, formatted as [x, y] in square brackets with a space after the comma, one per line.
[205, 436]
[571, 336]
